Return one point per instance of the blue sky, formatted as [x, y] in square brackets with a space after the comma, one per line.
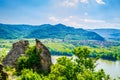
[77, 13]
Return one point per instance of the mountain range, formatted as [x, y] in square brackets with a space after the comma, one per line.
[60, 31]
[108, 34]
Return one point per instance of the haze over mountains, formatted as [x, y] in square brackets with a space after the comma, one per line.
[59, 31]
[109, 34]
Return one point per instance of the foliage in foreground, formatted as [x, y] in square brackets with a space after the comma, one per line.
[79, 68]
[29, 75]
[31, 60]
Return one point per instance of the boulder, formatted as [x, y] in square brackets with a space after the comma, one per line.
[17, 50]
[44, 55]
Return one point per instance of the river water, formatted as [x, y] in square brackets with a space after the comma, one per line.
[110, 67]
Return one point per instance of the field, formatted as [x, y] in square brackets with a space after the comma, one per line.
[109, 50]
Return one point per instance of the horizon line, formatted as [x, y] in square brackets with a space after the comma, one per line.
[54, 25]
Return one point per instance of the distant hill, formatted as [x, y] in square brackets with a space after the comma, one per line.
[109, 34]
[8, 31]
[46, 31]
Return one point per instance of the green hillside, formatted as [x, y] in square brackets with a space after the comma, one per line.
[59, 31]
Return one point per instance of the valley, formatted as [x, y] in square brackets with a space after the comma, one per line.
[61, 40]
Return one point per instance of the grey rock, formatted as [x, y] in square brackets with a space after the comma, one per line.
[17, 50]
[45, 56]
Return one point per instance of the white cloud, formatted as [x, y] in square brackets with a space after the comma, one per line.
[94, 21]
[100, 1]
[78, 22]
[66, 19]
[71, 17]
[84, 1]
[70, 21]
[52, 18]
[73, 3]
[70, 3]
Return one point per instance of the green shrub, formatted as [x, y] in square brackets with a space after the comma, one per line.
[0, 76]
[31, 60]
[22, 63]
[80, 68]
[27, 74]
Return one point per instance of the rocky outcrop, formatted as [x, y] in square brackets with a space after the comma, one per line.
[44, 55]
[17, 50]
[3, 75]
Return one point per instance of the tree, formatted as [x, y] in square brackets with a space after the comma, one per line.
[28, 74]
[80, 68]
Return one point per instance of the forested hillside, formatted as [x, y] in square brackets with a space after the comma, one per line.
[59, 31]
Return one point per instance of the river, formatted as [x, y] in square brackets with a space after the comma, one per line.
[110, 67]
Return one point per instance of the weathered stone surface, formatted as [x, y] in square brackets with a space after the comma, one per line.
[17, 50]
[45, 56]
[3, 75]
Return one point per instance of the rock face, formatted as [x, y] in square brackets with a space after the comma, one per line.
[45, 56]
[3, 75]
[17, 50]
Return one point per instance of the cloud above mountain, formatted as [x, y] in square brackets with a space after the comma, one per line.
[74, 3]
[78, 13]
[77, 22]
[100, 1]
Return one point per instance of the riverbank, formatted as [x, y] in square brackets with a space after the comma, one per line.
[111, 68]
